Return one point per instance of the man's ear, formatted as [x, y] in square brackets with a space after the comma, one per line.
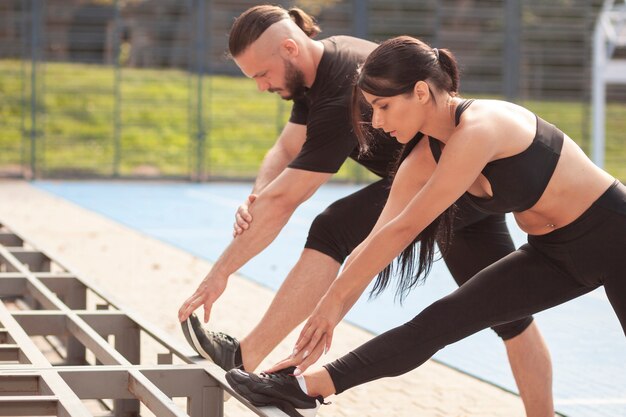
[289, 49]
[421, 91]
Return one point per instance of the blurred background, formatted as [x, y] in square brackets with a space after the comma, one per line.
[144, 89]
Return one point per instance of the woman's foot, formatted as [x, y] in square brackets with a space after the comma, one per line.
[280, 389]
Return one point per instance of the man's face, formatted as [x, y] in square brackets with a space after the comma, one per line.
[272, 72]
[294, 82]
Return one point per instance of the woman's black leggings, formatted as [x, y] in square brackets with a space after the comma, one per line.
[549, 270]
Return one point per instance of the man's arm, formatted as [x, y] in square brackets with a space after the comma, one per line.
[272, 209]
[461, 162]
[287, 146]
[280, 155]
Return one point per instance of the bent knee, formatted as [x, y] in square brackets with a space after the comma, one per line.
[509, 330]
[325, 237]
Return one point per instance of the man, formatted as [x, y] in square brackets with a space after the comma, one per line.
[275, 48]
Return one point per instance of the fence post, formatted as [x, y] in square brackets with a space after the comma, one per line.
[206, 143]
[512, 48]
[200, 50]
[598, 93]
[360, 19]
[191, 148]
[24, 40]
[438, 25]
[360, 28]
[117, 123]
[34, 54]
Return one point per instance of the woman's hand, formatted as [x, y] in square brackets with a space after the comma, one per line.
[316, 337]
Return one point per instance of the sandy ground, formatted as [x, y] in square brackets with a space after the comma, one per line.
[152, 279]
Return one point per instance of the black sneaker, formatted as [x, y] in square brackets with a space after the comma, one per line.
[279, 389]
[218, 347]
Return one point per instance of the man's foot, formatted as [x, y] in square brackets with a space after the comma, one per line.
[280, 389]
[220, 348]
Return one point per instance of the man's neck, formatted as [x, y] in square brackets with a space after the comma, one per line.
[315, 52]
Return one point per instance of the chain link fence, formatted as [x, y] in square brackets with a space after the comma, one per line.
[143, 88]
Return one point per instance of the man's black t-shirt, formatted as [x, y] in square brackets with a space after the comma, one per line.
[325, 110]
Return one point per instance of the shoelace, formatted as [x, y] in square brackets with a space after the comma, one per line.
[276, 375]
[222, 337]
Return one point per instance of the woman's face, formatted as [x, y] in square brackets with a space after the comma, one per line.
[398, 116]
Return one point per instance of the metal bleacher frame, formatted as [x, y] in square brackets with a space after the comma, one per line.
[68, 349]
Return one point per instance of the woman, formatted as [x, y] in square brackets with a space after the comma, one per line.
[500, 157]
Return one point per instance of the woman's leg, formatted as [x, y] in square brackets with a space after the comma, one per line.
[608, 249]
[480, 240]
[616, 293]
[519, 285]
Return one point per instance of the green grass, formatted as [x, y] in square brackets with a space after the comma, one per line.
[158, 119]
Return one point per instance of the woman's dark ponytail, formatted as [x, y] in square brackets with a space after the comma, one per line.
[449, 65]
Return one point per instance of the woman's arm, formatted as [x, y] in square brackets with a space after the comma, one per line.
[461, 162]
[411, 176]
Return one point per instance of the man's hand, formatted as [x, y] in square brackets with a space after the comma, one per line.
[243, 218]
[209, 290]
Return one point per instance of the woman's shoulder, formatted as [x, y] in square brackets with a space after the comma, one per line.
[499, 127]
[494, 117]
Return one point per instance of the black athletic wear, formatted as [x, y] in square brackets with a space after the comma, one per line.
[549, 270]
[518, 181]
[325, 110]
[479, 239]
[344, 224]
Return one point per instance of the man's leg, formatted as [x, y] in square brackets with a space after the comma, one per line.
[305, 284]
[478, 241]
[532, 368]
[333, 235]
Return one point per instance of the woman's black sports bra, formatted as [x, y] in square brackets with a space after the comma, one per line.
[517, 181]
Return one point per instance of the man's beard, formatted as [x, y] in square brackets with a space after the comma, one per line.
[294, 82]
